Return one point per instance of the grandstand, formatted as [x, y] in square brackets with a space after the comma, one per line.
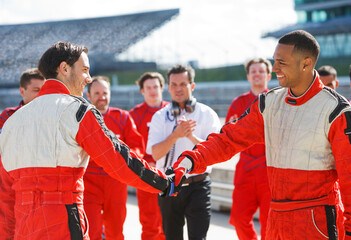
[23, 44]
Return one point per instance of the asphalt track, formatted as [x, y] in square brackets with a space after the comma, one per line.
[219, 229]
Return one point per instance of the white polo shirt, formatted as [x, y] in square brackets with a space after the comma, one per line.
[163, 123]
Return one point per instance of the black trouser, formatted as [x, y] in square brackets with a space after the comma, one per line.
[192, 202]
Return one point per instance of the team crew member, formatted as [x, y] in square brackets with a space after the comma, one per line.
[173, 129]
[306, 129]
[151, 87]
[250, 180]
[328, 76]
[45, 148]
[30, 83]
[105, 198]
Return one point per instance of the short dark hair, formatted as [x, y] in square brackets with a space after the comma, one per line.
[98, 78]
[327, 70]
[28, 75]
[259, 60]
[57, 53]
[303, 42]
[150, 75]
[181, 69]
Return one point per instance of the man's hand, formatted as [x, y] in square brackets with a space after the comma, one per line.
[174, 185]
[185, 127]
[182, 166]
[176, 176]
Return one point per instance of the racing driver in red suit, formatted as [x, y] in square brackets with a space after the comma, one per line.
[306, 128]
[105, 198]
[151, 87]
[45, 148]
[30, 83]
[250, 180]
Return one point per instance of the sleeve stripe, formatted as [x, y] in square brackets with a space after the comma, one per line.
[146, 175]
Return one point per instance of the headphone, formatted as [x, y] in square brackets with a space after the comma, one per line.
[189, 107]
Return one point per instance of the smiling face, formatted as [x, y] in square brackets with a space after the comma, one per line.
[152, 92]
[258, 75]
[78, 75]
[100, 95]
[287, 66]
[180, 88]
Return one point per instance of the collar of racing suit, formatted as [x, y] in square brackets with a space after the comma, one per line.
[52, 86]
[21, 104]
[315, 88]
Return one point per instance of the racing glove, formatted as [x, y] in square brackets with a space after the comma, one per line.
[182, 166]
[172, 189]
[176, 175]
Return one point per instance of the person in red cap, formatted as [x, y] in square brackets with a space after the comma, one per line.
[250, 180]
[306, 128]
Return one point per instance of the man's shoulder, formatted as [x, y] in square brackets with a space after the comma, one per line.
[273, 93]
[6, 114]
[203, 107]
[244, 95]
[115, 110]
[9, 111]
[139, 107]
[61, 103]
[162, 115]
[241, 98]
[275, 90]
[119, 114]
[340, 103]
[207, 110]
[164, 109]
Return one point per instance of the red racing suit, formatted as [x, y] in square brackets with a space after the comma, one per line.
[45, 148]
[102, 192]
[250, 180]
[308, 145]
[7, 113]
[149, 211]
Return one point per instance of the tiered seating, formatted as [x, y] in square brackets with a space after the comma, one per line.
[23, 44]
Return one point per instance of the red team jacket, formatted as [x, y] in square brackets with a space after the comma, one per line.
[7, 113]
[121, 123]
[294, 182]
[142, 115]
[255, 155]
[36, 186]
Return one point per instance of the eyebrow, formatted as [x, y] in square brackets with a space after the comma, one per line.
[279, 59]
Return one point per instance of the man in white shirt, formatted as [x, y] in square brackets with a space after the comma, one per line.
[175, 128]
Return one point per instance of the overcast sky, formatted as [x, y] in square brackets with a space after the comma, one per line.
[212, 32]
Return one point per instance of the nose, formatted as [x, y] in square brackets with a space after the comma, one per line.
[88, 79]
[179, 88]
[275, 67]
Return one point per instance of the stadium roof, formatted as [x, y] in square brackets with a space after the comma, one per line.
[334, 26]
[23, 44]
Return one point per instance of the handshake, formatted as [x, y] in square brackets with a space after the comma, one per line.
[176, 176]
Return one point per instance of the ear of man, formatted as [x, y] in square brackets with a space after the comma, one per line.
[63, 68]
[307, 64]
